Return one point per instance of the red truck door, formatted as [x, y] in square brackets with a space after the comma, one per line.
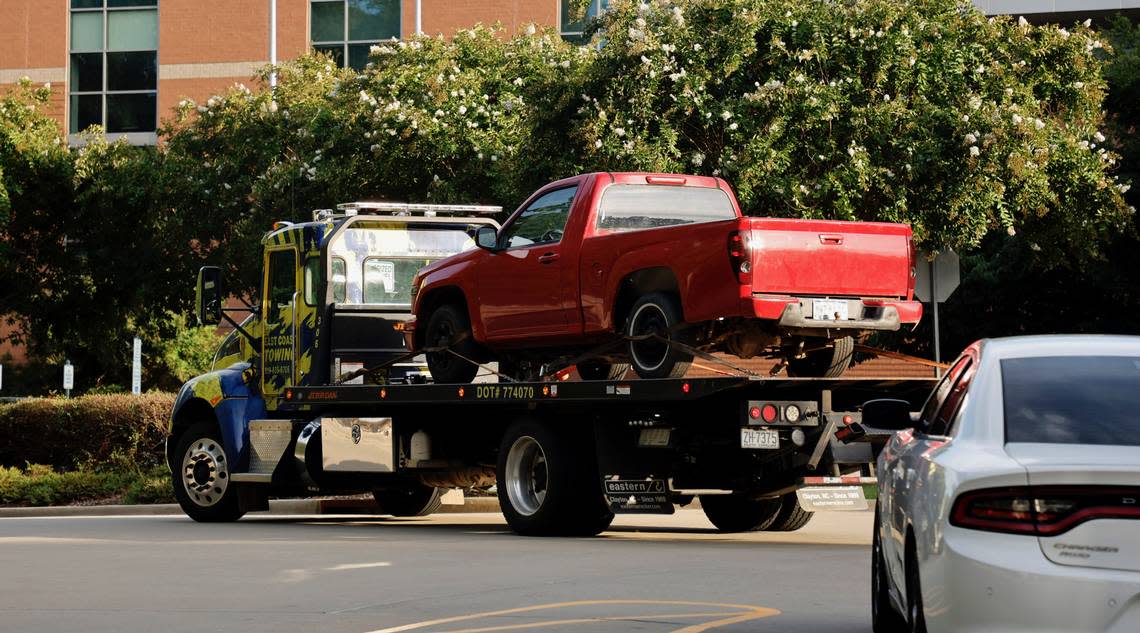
[520, 286]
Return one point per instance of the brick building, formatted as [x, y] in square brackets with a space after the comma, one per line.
[125, 63]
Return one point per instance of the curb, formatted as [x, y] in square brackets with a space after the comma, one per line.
[276, 507]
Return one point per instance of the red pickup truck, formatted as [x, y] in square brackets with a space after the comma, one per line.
[627, 264]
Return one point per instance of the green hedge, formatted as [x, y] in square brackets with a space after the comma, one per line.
[91, 433]
[39, 485]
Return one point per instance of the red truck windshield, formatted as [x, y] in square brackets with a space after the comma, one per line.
[635, 207]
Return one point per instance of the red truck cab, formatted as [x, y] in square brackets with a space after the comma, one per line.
[604, 270]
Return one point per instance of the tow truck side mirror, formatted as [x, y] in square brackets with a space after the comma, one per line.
[487, 238]
[888, 415]
[208, 300]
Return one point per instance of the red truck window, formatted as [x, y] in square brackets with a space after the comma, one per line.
[542, 222]
[635, 207]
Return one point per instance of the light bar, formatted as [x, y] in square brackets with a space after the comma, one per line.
[407, 208]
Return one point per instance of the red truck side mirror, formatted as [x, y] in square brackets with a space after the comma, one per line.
[486, 238]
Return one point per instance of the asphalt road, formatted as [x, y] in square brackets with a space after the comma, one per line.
[448, 573]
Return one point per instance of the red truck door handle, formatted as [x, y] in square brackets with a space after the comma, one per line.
[548, 258]
[829, 238]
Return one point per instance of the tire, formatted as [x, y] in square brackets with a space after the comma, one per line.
[915, 613]
[658, 313]
[884, 617]
[444, 324]
[824, 363]
[595, 370]
[548, 483]
[791, 516]
[737, 513]
[201, 476]
[414, 501]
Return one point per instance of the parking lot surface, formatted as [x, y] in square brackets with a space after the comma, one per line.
[448, 573]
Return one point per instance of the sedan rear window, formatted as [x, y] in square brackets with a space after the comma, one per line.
[634, 207]
[1072, 400]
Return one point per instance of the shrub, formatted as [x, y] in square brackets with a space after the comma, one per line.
[40, 485]
[92, 431]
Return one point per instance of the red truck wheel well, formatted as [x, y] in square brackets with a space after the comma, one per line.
[640, 283]
[435, 298]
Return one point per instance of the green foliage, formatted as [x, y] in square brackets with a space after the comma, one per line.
[89, 432]
[980, 133]
[39, 485]
[181, 351]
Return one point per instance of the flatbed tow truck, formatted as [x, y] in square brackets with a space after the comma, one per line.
[307, 400]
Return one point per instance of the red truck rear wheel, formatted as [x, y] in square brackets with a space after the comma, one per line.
[657, 313]
[829, 362]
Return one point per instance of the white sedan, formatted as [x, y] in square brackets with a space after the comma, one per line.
[1012, 501]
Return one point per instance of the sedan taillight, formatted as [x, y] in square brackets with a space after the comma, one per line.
[1042, 510]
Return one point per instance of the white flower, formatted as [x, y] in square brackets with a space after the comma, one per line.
[439, 113]
[971, 139]
[1016, 119]
[1123, 188]
[518, 81]
[620, 131]
[645, 60]
[530, 30]
[726, 115]
[696, 47]
[640, 22]
[47, 85]
[697, 159]
[1078, 85]
[565, 63]
[213, 101]
[1038, 123]
[733, 126]
[677, 16]
[980, 69]
[1022, 22]
[272, 107]
[1087, 23]
[886, 97]
[1010, 230]
[965, 118]
[598, 143]
[974, 151]
[462, 109]
[202, 109]
[1099, 137]
[494, 158]
[1064, 33]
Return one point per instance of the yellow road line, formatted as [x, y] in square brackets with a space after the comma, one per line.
[747, 612]
[586, 620]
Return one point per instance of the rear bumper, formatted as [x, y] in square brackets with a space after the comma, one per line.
[999, 583]
[865, 314]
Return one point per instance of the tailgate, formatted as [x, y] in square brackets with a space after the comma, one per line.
[820, 257]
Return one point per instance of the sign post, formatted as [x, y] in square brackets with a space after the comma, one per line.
[68, 377]
[136, 367]
[934, 283]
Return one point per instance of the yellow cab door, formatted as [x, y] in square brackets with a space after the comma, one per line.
[279, 316]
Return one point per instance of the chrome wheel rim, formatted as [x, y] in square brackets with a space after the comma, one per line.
[527, 476]
[204, 472]
[649, 354]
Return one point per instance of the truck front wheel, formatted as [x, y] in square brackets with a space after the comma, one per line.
[653, 328]
[739, 513]
[202, 476]
[417, 500]
[446, 324]
[548, 484]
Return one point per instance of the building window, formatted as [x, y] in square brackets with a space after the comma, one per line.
[114, 66]
[347, 29]
[573, 30]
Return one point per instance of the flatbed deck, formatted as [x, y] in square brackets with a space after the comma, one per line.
[600, 392]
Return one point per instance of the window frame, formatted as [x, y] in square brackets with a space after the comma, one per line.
[345, 42]
[935, 401]
[364, 279]
[577, 35]
[76, 138]
[503, 232]
[270, 300]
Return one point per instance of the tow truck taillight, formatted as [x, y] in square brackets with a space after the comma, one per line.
[740, 256]
[1042, 510]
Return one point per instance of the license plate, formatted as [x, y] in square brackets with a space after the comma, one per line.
[828, 310]
[759, 438]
